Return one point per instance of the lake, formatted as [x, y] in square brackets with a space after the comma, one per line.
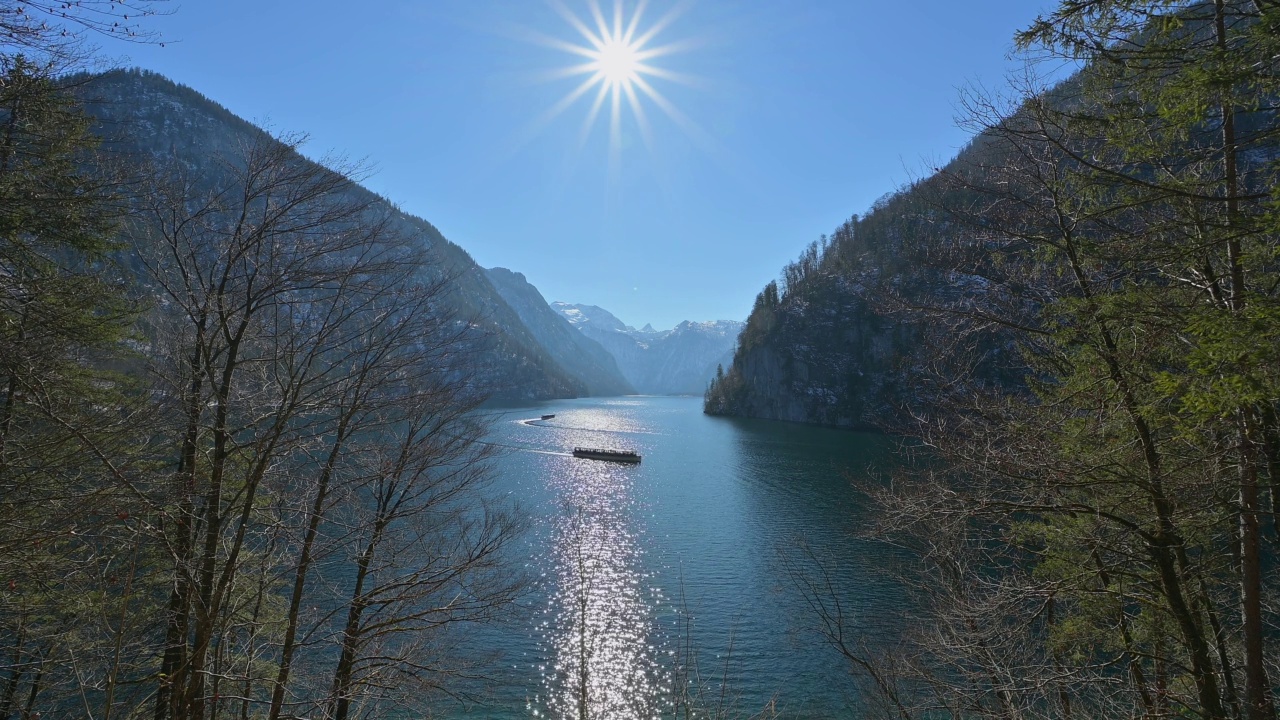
[677, 579]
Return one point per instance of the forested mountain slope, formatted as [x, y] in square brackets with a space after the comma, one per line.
[869, 324]
[822, 348]
[145, 117]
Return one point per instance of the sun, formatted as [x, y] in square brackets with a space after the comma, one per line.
[617, 62]
[617, 53]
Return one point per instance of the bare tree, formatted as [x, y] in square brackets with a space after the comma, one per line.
[425, 555]
[56, 34]
[261, 274]
[321, 406]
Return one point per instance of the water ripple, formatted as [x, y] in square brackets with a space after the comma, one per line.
[599, 617]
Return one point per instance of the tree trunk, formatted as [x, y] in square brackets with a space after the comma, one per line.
[300, 575]
[1257, 689]
[15, 673]
[173, 666]
[206, 612]
[1257, 692]
[351, 635]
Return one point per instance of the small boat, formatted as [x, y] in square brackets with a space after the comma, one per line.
[627, 456]
[548, 417]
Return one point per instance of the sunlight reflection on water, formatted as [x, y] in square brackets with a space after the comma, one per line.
[598, 620]
[603, 420]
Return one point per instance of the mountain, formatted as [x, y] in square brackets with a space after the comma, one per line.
[860, 335]
[597, 318]
[680, 361]
[897, 311]
[144, 117]
[583, 358]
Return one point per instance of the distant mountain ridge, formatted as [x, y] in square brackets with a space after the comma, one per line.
[597, 317]
[680, 361]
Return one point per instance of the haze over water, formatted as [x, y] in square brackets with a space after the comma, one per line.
[674, 573]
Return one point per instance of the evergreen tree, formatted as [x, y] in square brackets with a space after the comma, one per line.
[70, 436]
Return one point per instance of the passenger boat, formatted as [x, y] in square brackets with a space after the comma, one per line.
[626, 456]
[548, 417]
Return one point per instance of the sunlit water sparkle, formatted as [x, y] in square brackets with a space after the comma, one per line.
[664, 582]
[600, 618]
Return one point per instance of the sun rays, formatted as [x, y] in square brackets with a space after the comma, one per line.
[617, 53]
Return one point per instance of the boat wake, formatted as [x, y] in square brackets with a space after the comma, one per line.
[547, 452]
[539, 422]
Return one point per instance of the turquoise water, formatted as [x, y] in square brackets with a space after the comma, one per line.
[677, 577]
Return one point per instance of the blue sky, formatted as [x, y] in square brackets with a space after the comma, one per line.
[790, 115]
